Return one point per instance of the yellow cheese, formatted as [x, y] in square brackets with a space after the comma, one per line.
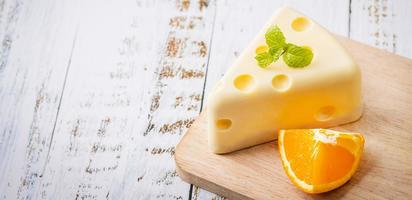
[250, 104]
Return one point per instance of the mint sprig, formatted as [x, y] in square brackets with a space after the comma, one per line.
[276, 52]
[293, 55]
[274, 37]
[264, 59]
[298, 57]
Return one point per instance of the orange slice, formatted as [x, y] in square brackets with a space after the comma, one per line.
[319, 160]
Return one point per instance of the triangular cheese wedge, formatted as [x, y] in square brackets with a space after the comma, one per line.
[250, 104]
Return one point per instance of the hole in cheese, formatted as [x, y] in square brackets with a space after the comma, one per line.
[244, 82]
[325, 113]
[223, 124]
[281, 82]
[300, 24]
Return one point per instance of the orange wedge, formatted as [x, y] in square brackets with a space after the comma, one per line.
[319, 160]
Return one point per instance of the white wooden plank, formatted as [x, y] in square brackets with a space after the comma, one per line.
[236, 24]
[9, 16]
[31, 83]
[385, 24]
[134, 86]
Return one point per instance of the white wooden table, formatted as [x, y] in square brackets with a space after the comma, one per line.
[94, 95]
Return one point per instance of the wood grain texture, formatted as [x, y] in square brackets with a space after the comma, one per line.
[385, 165]
[31, 84]
[121, 140]
[10, 12]
[384, 24]
[92, 119]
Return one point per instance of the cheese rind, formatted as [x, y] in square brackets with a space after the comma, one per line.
[250, 104]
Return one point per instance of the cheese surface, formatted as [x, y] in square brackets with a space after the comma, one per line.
[250, 104]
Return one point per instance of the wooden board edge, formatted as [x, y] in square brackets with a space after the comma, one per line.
[191, 178]
[347, 42]
[207, 185]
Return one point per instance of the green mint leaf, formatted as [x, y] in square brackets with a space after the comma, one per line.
[275, 38]
[293, 55]
[264, 59]
[297, 57]
[276, 52]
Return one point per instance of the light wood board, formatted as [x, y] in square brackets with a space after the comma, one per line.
[386, 166]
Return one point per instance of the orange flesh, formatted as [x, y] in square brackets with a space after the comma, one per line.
[315, 162]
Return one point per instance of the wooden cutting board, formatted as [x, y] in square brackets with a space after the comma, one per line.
[386, 167]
